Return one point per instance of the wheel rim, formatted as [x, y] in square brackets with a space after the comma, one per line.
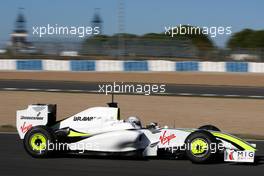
[38, 142]
[199, 147]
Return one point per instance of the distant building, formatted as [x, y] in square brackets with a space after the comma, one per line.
[19, 41]
[97, 21]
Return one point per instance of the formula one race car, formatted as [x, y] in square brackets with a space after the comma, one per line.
[99, 130]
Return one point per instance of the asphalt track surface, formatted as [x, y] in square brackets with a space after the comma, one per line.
[171, 89]
[14, 161]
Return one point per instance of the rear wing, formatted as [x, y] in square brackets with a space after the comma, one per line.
[35, 114]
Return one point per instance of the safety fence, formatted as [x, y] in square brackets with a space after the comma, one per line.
[129, 65]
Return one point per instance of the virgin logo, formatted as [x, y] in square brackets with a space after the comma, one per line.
[24, 128]
[166, 139]
[231, 155]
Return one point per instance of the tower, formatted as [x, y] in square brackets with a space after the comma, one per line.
[97, 20]
[19, 35]
[121, 28]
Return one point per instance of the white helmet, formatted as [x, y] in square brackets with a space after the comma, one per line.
[134, 121]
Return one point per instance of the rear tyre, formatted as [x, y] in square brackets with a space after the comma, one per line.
[201, 147]
[209, 127]
[36, 141]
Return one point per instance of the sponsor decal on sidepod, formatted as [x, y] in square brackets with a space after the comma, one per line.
[24, 128]
[166, 139]
[239, 156]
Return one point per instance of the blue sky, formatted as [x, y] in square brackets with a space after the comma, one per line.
[141, 16]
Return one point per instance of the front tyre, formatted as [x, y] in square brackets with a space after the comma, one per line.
[36, 141]
[201, 147]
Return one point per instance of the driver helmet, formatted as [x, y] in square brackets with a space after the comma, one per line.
[134, 120]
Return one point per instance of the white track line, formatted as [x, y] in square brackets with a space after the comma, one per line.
[32, 89]
[255, 96]
[10, 88]
[53, 90]
[76, 90]
[185, 94]
[209, 95]
[96, 91]
[232, 95]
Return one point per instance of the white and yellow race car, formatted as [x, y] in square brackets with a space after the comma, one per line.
[99, 130]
